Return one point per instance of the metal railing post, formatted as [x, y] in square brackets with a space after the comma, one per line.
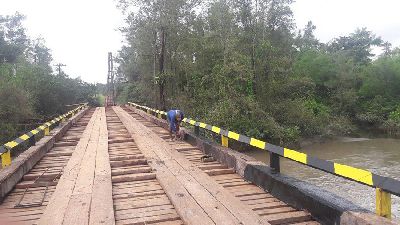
[6, 158]
[224, 141]
[32, 141]
[46, 131]
[274, 162]
[197, 130]
[383, 203]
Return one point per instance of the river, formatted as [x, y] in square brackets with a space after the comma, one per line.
[381, 156]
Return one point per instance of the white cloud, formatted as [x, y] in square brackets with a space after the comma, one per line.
[79, 33]
[335, 18]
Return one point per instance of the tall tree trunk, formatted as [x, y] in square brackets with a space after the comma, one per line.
[161, 64]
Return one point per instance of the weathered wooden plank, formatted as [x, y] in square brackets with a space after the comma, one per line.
[133, 177]
[78, 210]
[288, 217]
[186, 148]
[126, 157]
[55, 211]
[150, 219]
[120, 171]
[130, 162]
[175, 222]
[269, 211]
[102, 210]
[141, 194]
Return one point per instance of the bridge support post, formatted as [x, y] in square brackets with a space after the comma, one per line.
[46, 131]
[32, 141]
[148, 111]
[196, 130]
[6, 158]
[274, 162]
[224, 141]
[383, 203]
[159, 116]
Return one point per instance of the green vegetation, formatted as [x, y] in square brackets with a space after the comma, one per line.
[101, 99]
[29, 92]
[241, 65]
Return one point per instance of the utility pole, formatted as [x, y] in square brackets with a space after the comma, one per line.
[110, 82]
[59, 65]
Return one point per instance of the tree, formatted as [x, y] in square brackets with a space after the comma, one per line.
[306, 40]
[238, 64]
[31, 92]
[357, 45]
[13, 40]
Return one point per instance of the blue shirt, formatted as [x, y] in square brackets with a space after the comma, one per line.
[171, 117]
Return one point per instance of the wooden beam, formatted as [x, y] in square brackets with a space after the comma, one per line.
[102, 209]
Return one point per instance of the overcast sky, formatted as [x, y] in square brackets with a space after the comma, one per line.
[80, 33]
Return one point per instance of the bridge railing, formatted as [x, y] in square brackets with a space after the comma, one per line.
[34, 135]
[385, 186]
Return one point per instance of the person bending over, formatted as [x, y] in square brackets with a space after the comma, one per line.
[174, 117]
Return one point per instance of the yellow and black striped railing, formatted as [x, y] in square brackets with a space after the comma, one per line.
[5, 150]
[384, 185]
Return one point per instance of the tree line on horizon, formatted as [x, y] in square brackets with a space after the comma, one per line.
[244, 66]
[30, 92]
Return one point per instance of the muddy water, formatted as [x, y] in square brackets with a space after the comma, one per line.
[381, 156]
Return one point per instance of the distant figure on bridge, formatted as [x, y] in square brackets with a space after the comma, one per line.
[174, 117]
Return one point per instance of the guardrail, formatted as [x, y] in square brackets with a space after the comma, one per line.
[30, 137]
[385, 186]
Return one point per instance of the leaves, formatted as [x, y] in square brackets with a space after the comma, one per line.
[238, 64]
[29, 92]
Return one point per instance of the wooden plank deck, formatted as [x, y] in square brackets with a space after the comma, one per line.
[47, 171]
[137, 194]
[118, 168]
[217, 204]
[71, 200]
[251, 197]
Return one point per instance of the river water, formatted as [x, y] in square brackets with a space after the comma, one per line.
[381, 156]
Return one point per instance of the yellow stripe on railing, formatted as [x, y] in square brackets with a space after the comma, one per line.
[360, 175]
[233, 135]
[202, 125]
[295, 155]
[216, 129]
[6, 148]
[257, 143]
[355, 174]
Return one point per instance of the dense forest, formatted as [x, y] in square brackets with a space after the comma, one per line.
[244, 66]
[29, 91]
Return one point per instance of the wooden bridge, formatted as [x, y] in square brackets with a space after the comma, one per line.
[115, 165]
